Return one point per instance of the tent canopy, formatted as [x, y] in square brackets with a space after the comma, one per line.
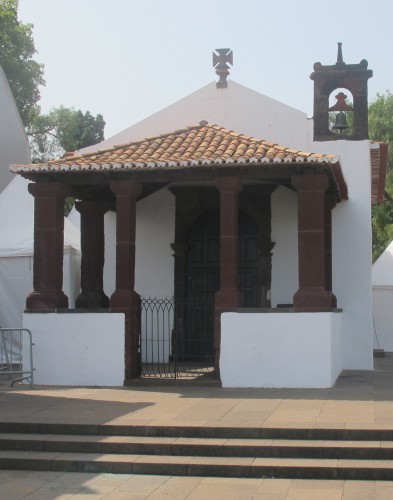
[382, 270]
[17, 222]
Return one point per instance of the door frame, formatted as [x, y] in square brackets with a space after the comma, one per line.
[193, 201]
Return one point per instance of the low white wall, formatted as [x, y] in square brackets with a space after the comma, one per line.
[383, 318]
[77, 348]
[280, 349]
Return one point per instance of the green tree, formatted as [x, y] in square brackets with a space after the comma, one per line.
[63, 130]
[16, 58]
[381, 129]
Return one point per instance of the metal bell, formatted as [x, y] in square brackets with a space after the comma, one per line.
[341, 122]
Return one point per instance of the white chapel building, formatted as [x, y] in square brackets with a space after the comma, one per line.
[227, 234]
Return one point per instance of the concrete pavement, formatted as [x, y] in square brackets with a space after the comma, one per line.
[360, 400]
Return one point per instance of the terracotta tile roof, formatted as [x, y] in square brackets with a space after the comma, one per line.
[194, 146]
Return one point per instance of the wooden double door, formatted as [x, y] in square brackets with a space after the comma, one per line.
[203, 277]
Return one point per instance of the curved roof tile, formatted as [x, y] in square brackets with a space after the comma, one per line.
[196, 145]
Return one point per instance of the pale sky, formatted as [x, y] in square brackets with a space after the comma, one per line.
[127, 59]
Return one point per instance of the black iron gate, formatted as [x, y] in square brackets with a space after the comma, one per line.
[172, 342]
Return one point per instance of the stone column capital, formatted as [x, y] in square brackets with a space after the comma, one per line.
[330, 202]
[231, 184]
[91, 207]
[126, 188]
[48, 189]
[311, 182]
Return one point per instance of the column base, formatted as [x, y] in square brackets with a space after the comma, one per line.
[129, 302]
[314, 299]
[92, 300]
[44, 300]
[124, 300]
[225, 300]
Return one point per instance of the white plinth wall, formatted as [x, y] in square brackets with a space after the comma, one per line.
[77, 348]
[280, 349]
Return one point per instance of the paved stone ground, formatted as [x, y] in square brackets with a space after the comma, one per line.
[17, 485]
[359, 400]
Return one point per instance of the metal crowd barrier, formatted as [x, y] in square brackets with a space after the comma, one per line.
[15, 344]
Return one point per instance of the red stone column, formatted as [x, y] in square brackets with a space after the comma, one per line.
[93, 255]
[228, 297]
[330, 203]
[125, 299]
[312, 295]
[48, 246]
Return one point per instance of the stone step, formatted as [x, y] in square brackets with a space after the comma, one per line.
[207, 447]
[198, 466]
[224, 432]
[198, 451]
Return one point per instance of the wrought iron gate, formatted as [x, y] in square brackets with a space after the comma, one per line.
[172, 344]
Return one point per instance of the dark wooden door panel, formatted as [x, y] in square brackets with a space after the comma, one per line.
[203, 278]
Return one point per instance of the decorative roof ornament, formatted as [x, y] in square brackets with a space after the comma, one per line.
[220, 62]
[340, 59]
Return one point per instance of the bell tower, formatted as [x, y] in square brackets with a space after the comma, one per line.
[327, 79]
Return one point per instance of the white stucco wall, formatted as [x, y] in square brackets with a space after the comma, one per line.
[71, 276]
[72, 348]
[383, 318]
[236, 107]
[280, 349]
[155, 232]
[285, 280]
[352, 252]
[110, 253]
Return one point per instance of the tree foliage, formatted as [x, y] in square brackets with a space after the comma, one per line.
[16, 58]
[381, 129]
[63, 130]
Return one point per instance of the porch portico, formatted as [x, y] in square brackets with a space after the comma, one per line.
[208, 168]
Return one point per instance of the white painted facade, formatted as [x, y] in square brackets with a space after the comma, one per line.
[352, 259]
[77, 348]
[285, 250]
[155, 232]
[236, 107]
[280, 349]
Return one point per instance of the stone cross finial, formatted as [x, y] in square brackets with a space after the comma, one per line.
[339, 53]
[220, 62]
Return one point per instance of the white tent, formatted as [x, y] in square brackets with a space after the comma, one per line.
[14, 145]
[16, 253]
[382, 284]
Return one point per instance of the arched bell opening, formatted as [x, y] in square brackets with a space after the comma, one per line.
[341, 112]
